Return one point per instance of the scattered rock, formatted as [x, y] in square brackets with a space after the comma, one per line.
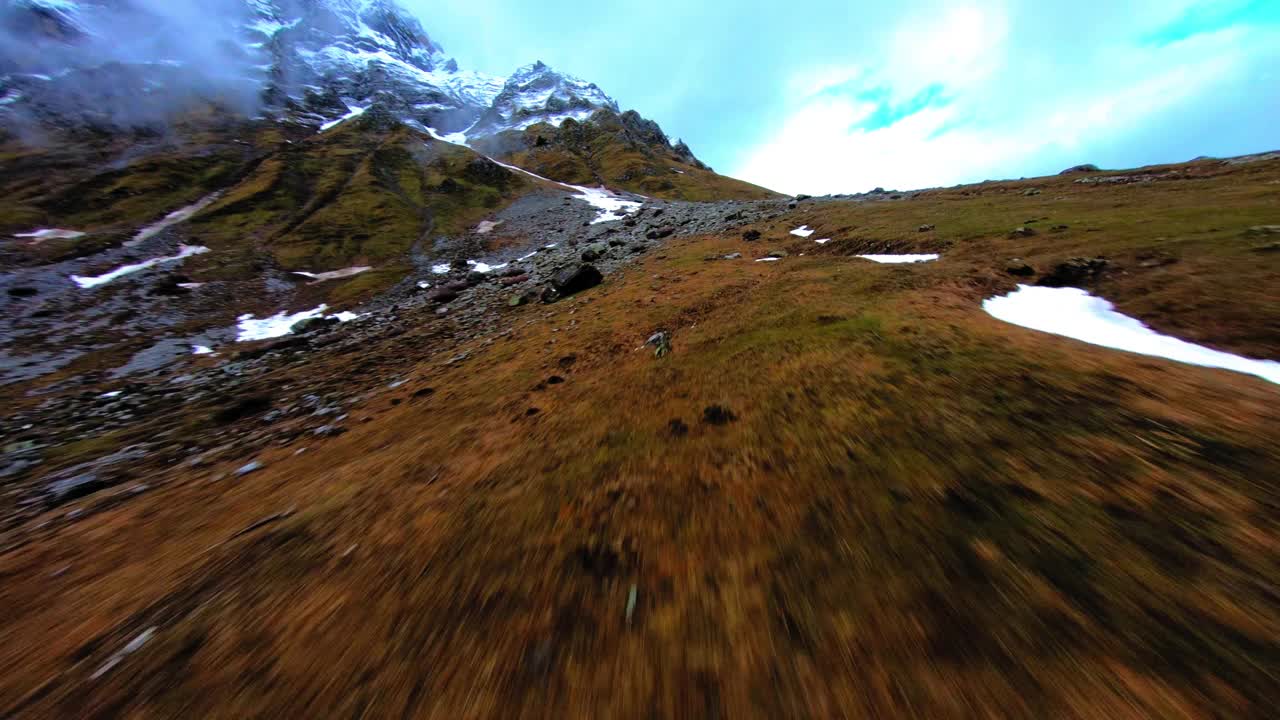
[1074, 272]
[1030, 192]
[1023, 232]
[926, 228]
[1259, 230]
[516, 280]
[718, 415]
[733, 256]
[659, 233]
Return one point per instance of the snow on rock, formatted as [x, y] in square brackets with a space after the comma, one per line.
[441, 268]
[184, 251]
[611, 206]
[896, 259]
[51, 234]
[482, 267]
[352, 112]
[458, 138]
[1074, 313]
[334, 274]
[802, 231]
[201, 350]
[173, 218]
[281, 323]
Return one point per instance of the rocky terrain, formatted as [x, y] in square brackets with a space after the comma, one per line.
[410, 392]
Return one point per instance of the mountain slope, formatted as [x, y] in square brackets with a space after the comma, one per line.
[621, 151]
[844, 489]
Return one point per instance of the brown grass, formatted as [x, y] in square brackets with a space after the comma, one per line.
[918, 511]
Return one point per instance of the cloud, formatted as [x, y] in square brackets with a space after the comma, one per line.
[963, 96]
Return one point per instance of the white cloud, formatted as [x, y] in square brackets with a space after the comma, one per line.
[1009, 107]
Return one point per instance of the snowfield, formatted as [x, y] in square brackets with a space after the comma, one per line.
[1074, 313]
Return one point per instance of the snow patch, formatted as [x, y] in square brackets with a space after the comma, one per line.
[334, 274]
[173, 218]
[769, 259]
[823, 241]
[611, 206]
[51, 234]
[184, 251]
[458, 138]
[441, 268]
[1074, 313]
[281, 323]
[485, 268]
[897, 259]
[802, 231]
[201, 350]
[352, 112]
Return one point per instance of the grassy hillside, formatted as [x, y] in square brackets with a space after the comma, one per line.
[846, 492]
[362, 193]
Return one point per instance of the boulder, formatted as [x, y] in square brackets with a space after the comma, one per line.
[1019, 268]
[442, 295]
[1074, 272]
[302, 327]
[1080, 169]
[571, 280]
[659, 233]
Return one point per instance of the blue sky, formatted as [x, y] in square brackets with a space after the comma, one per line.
[829, 96]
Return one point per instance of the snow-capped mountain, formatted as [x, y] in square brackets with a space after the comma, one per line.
[126, 61]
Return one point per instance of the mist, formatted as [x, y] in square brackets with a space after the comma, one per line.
[127, 62]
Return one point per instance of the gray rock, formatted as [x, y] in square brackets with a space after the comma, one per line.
[252, 467]
[1074, 272]
[575, 279]
[1080, 169]
[1019, 268]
